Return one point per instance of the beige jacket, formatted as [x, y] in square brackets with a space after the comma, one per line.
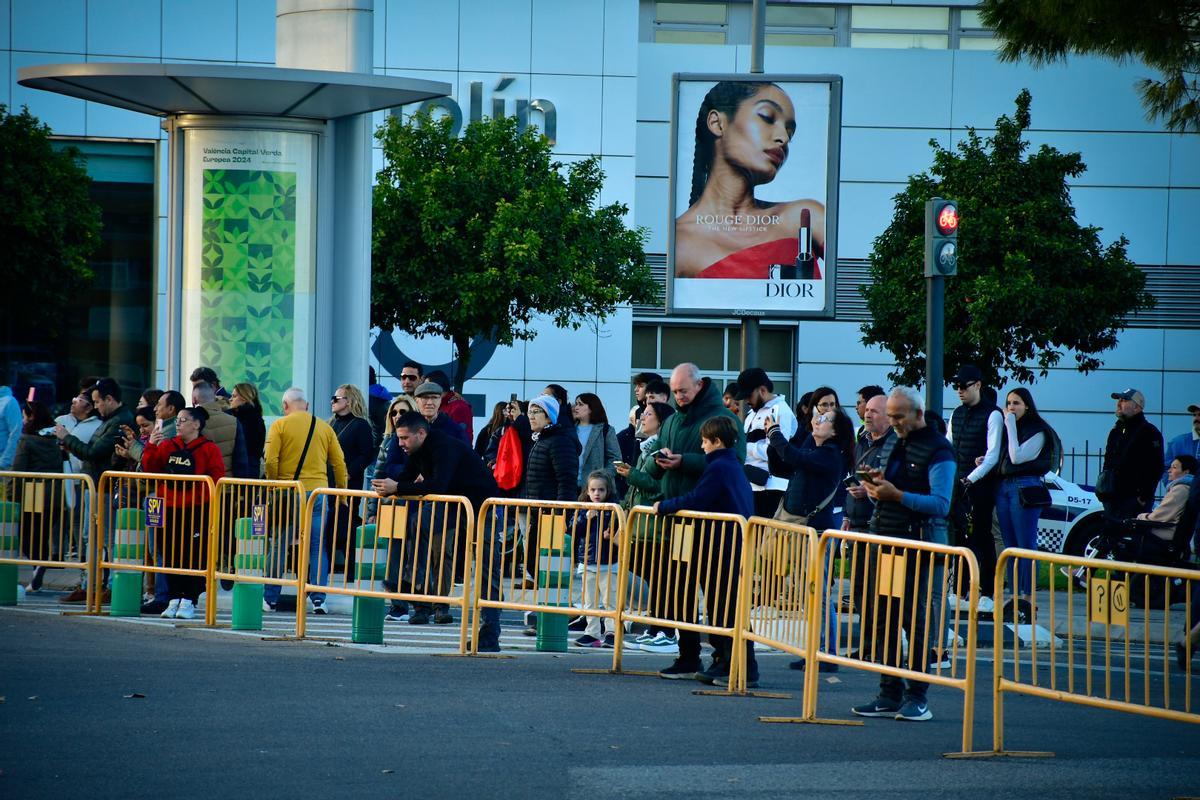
[1168, 512]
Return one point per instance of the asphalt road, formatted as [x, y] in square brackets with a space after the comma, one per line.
[235, 716]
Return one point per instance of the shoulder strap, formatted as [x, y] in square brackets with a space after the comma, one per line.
[312, 426]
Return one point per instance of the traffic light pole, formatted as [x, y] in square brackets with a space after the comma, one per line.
[935, 301]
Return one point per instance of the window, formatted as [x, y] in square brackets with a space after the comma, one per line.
[690, 23]
[973, 34]
[902, 27]
[801, 26]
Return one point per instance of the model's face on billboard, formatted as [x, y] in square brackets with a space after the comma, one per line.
[756, 139]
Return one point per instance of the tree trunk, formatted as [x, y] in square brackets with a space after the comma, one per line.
[462, 360]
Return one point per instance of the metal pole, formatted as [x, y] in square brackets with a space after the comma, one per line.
[758, 26]
[934, 322]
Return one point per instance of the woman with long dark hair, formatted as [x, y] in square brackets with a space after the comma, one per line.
[744, 131]
[1026, 453]
[245, 404]
[597, 439]
[484, 437]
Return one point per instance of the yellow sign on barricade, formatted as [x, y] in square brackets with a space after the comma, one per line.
[1106, 634]
[156, 523]
[44, 522]
[685, 572]
[879, 604]
[258, 527]
[776, 591]
[415, 549]
[554, 557]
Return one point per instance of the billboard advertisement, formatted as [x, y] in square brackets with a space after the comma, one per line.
[754, 186]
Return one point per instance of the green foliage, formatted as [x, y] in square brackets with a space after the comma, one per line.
[478, 235]
[1163, 34]
[48, 224]
[1031, 281]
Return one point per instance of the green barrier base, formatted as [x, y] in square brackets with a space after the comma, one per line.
[247, 607]
[126, 594]
[552, 632]
[367, 623]
[8, 584]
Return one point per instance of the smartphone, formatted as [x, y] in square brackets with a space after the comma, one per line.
[850, 481]
[618, 463]
[657, 454]
[512, 398]
[866, 474]
[158, 425]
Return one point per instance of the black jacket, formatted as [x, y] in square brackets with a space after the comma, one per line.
[255, 431]
[357, 439]
[552, 469]
[1135, 453]
[37, 454]
[447, 465]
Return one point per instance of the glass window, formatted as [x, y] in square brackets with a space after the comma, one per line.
[800, 40]
[801, 16]
[900, 18]
[698, 13]
[645, 347]
[972, 20]
[978, 43]
[775, 349]
[702, 346]
[901, 41]
[689, 37]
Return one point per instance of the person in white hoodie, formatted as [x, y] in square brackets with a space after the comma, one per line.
[81, 422]
[758, 392]
[10, 426]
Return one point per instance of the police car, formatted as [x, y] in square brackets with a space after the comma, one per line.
[1072, 520]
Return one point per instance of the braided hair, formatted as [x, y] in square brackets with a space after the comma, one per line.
[725, 97]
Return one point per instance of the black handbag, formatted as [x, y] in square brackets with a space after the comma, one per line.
[756, 475]
[1034, 496]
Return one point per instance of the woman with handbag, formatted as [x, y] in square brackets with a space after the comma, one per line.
[1025, 457]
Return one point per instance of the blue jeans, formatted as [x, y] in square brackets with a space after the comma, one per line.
[1018, 525]
[318, 562]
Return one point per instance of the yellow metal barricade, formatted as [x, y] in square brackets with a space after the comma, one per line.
[417, 549]
[776, 590]
[686, 573]
[880, 606]
[258, 529]
[1106, 634]
[44, 522]
[156, 523]
[532, 555]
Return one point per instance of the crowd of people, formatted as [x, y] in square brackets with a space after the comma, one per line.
[686, 445]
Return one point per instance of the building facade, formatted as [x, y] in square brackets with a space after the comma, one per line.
[599, 72]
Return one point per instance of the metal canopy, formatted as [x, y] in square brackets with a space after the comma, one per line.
[168, 89]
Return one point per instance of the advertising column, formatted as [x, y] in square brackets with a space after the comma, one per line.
[249, 256]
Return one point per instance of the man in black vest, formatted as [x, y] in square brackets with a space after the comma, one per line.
[912, 492]
[440, 464]
[976, 430]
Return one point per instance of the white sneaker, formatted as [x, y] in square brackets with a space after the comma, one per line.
[986, 605]
[960, 603]
[666, 645]
[187, 609]
[641, 639]
[172, 609]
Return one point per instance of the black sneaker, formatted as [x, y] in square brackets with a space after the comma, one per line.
[914, 711]
[577, 624]
[154, 607]
[419, 617]
[879, 707]
[751, 681]
[719, 670]
[443, 617]
[35, 582]
[397, 614]
[680, 671]
[610, 641]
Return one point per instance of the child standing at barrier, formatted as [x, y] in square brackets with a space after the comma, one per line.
[596, 551]
[723, 489]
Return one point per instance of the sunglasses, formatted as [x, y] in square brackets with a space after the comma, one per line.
[409, 377]
[336, 399]
[967, 385]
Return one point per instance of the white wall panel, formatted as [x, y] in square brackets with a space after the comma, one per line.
[124, 28]
[565, 37]
[64, 115]
[653, 149]
[652, 211]
[1183, 230]
[864, 211]
[256, 31]
[656, 64]
[58, 27]
[494, 37]
[620, 37]
[1113, 159]
[206, 31]
[577, 100]
[422, 35]
[619, 184]
[1139, 214]
[619, 116]
[887, 154]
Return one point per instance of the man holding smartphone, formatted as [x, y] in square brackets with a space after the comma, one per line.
[758, 392]
[871, 452]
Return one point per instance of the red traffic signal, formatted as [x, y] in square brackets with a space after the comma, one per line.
[947, 219]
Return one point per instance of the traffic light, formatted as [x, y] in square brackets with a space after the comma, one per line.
[941, 238]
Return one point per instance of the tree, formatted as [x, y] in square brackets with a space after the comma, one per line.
[1031, 280]
[49, 226]
[476, 236]
[1164, 34]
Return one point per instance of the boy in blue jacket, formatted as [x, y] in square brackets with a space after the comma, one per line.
[723, 488]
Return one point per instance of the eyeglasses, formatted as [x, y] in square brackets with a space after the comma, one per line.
[180, 419]
[336, 399]
[828, 405]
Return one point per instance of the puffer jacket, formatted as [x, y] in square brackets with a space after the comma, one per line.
[37, 454]
[553, 465]
[681, 434]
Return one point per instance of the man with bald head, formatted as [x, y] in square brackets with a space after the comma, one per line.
[678, 466]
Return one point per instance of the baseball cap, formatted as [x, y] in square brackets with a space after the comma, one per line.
[967, 373]
[1131, 394]
[428, 387]
[750, 379]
